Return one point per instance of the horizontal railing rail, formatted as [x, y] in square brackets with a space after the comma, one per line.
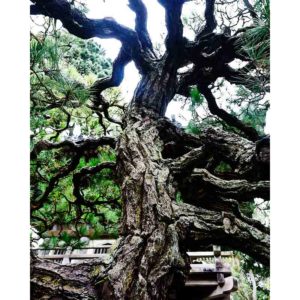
[69, 255]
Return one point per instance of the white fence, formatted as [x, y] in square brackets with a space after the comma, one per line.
[101, 248]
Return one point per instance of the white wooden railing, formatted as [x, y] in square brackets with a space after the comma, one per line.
[102, 249]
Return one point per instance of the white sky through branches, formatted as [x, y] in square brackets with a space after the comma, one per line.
[119, 10]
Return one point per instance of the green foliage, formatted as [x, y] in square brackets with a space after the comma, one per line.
[256, 117]
[223, 167]
[86, 56]
[241, 270]
[256, 40]
[50, 242]
[251, 108]
[197, 124]
[63, 68]
[179, 197]
[63, 240]
[196, 97]
[193, 127]
[247, 208]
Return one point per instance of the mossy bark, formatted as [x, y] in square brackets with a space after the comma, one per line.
[149, 257]
[150, 260]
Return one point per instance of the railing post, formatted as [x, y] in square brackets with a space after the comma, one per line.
[66, 259]
[219, 265]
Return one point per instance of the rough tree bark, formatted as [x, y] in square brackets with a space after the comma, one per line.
[150, 260]
[155, 160]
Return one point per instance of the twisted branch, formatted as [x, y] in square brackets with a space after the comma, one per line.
[78, 147]
[205, 227]
[141, 16]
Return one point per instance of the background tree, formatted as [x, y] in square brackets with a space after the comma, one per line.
[217, 173]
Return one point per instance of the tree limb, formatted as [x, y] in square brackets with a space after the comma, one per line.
[239, 152]
[76, 146]
[197, 225]
[189, 161]
[77, 178]
[241, 190]
[231, 120]
[67, 282]
[173, 22]
[78, 24]
[141, 23]
[63, 172]
[211, 22]
[100, 105]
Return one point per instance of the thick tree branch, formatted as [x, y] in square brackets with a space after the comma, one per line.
[173, 22]
[242, 154]
[231, 207]
[205, 227]
[211, 56]
[100, 105]
[231, 120]
[211, 22]
[248, 160]
[241, 190]
[117, 75]
[215, 51]
[176, 141]
[78, 24]
[141, 23]
[78, 147]
[187, 162]
[63, 282]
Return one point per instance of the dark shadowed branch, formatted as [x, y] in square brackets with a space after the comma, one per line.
[141, 16]
[78, 24]
[173, 22]
[230, 119]
[77, 181]
[55, 280]
[241, 190]
[63, 172]
[77, 147]
[250, 9]
[210, 19]
[100, 105]
[200, 226]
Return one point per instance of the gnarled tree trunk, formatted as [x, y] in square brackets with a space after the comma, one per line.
[148, 257]
[150, 261]
[155, 160]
